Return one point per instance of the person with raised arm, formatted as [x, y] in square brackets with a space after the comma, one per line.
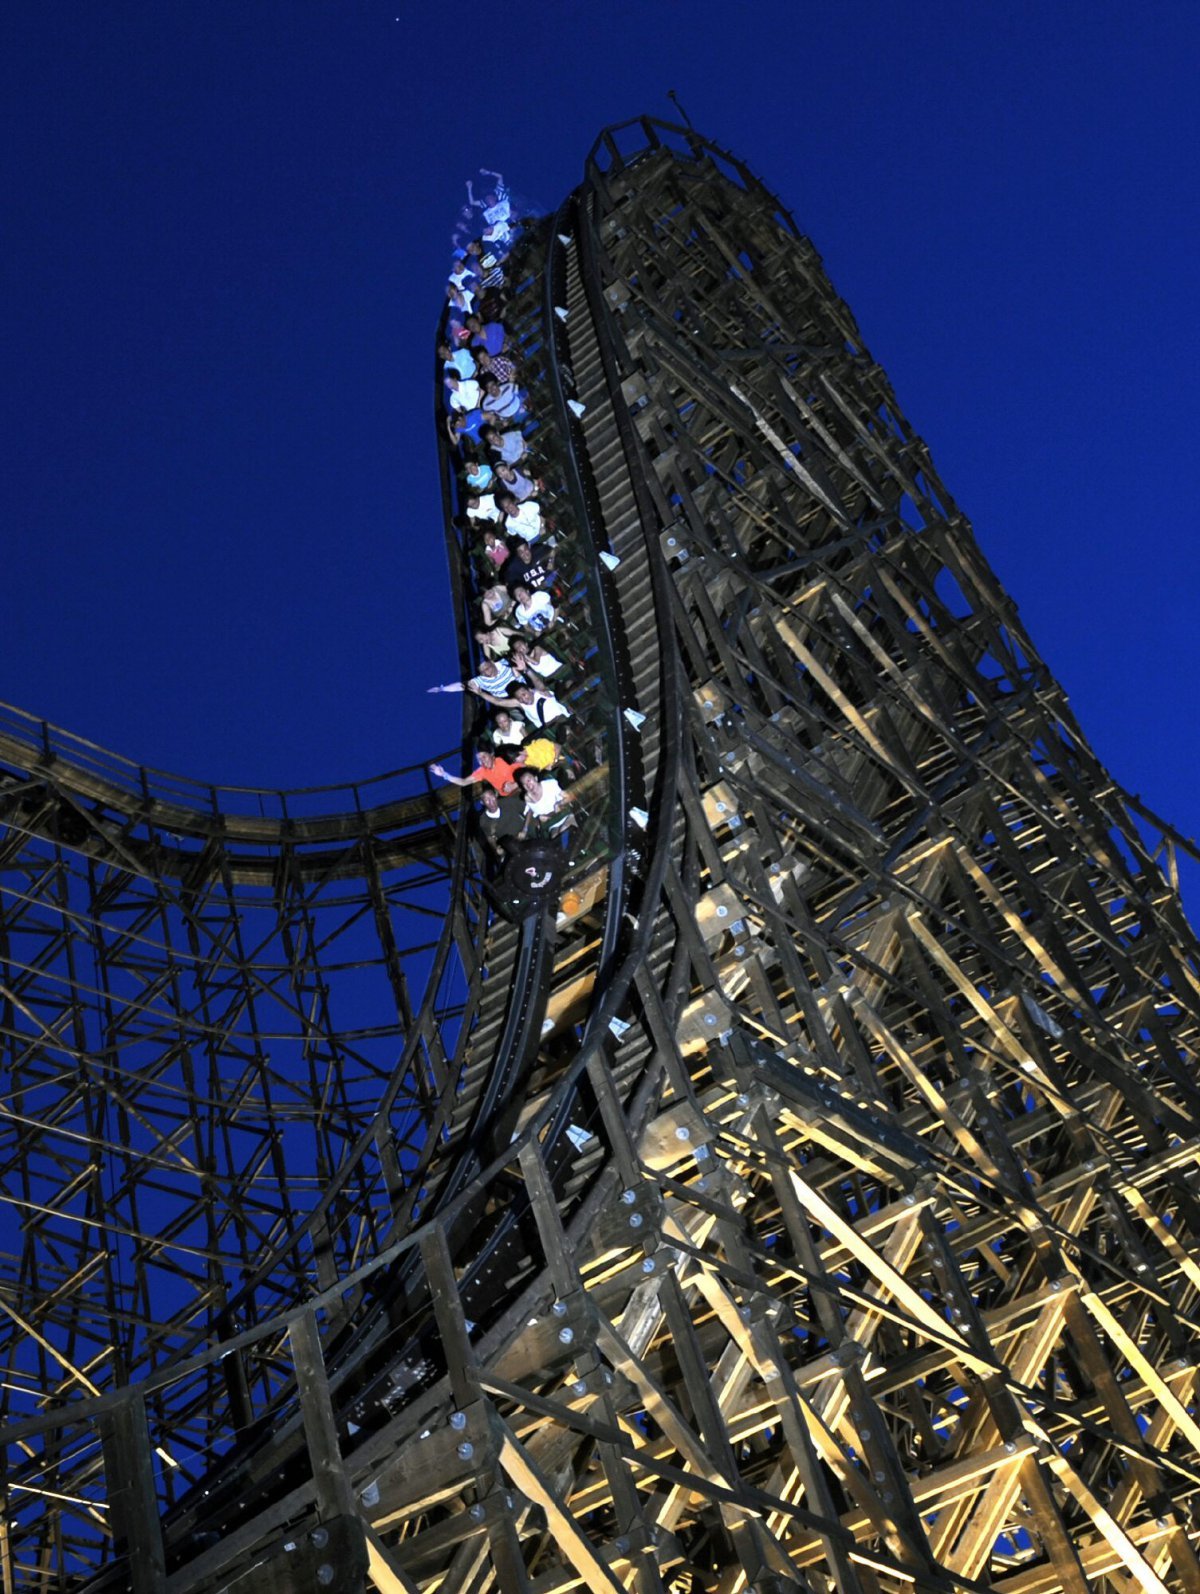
[496, 772]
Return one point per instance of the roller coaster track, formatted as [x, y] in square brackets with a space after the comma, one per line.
[805, 1198]
[519, 960]
[512, 1000]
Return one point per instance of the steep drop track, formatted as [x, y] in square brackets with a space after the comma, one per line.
[808, 1202]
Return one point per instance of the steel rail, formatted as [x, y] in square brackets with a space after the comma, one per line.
[527, 984]
[365, 1354]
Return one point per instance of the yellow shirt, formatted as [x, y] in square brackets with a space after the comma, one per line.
[540, 753]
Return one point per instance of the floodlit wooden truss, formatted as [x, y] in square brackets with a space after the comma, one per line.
[833, 1222]
[213, 1081]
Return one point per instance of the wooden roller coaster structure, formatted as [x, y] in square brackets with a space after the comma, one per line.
[805, 1198]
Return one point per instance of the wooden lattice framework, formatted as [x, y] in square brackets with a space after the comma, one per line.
[842, 1230]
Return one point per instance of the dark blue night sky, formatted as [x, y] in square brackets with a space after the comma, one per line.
[226, 237]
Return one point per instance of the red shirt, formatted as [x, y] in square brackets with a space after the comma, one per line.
[500, 775]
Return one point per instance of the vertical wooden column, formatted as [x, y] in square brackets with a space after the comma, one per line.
[133, 1499]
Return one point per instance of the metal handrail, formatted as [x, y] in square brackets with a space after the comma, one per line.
[35, 744]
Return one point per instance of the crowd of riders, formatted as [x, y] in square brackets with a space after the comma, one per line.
[519, 603]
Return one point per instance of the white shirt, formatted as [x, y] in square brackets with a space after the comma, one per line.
[462, 361]
[538, 613]
[465, 396]
[486, 510]
[546, 666]
[527, 522]
[544, 709]
[464, 293]
[497, 218]
[552, 796]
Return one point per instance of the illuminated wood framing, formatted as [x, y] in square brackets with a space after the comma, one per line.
[841, 1226]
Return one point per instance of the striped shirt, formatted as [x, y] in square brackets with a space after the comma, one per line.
[496, 685]
[504, 405]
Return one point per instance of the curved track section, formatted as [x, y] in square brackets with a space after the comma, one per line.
[809, 1202]
[383, 1341]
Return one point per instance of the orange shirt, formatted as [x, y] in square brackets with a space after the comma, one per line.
[501, 775]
